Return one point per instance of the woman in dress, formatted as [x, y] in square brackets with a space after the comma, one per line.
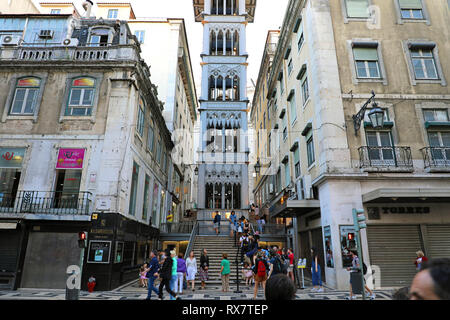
[191, 264]
[204, 266]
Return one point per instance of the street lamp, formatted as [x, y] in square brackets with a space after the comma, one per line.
[196, 171]
[376, 115]
[257, 167]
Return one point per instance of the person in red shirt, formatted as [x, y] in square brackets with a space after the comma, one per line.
[420, 259]
[291, 264]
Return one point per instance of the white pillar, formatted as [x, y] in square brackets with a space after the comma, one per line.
[242, 40]
[207, 6]
[205, 82]
[206, 36]
[241, 7]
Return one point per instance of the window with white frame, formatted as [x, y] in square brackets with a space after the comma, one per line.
[310, 148]
[140, 35]
[25, 96]
[293, 106]
[297, 162]
[150, 139]
[81, 97]
[435, 115]
[423, 62]
[305, 88]
[140, 118]
[280, 79]
[113, 13]
[357, 8]
[300, 37]
[411, 9]
[367, 62]
[290, 66]
[287, 172]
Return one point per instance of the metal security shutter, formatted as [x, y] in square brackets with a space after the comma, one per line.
[438, 241]
[393, 250]
[9, 250]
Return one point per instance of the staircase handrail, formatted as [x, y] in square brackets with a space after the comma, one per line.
[194, 233]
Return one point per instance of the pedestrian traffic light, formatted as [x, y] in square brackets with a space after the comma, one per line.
[82, 239]
[351, 236]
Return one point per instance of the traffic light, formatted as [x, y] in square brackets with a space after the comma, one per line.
[351, 236]
[82, 239]
[359, 219]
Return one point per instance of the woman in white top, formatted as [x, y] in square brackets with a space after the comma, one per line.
[191, 265]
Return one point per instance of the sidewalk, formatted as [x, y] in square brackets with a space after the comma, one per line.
[132, 291]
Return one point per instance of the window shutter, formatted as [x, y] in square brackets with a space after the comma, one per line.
[357, 8]
[410, 4]
[365, 54]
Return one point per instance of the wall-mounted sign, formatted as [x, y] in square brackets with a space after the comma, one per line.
[11, 157]
[70, 159]
[374, 212]
[99, 251]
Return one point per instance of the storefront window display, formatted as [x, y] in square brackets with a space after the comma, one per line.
[328, 247]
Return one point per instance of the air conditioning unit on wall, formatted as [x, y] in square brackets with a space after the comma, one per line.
[11, 40]
[46, 34]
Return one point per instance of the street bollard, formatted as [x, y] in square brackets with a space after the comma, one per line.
[73, 283]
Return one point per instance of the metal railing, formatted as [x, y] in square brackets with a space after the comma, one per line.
[274, 229]
[436, 157]
[399, 157]
[178, 227]
[52, 202]
[192, 240]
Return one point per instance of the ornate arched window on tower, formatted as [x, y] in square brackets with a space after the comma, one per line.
[224, 7]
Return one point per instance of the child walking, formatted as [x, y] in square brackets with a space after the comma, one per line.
[248, 274]
[143, 280]
[225, 273]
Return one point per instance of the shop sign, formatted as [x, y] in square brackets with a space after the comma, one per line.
[99, 251]
[374, 212]
[70, 159]
[11, 157]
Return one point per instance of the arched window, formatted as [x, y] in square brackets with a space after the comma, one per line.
[25, 96]
[81, 97]
[218, 196]
[237, 195]
[235, 43]
[213, 43]
[209, 194]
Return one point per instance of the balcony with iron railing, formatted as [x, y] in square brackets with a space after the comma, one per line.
[58, 52]
[387, 159]
[436, 159]
[46, 203]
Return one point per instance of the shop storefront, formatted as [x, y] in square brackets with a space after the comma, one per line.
[399, 226]
[117, 246]
[11, 160]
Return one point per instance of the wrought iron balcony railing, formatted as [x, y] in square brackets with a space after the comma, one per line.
[39, 202]
[385, 157]
[436, 157]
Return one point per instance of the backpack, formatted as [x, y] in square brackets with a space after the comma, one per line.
[277, 266]
[364, 268]
[261, 269]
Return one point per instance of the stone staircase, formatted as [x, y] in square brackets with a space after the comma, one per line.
[216, 246]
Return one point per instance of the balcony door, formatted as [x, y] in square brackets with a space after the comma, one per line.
[440, 146]
[9, 183]
[67, 188]
[380, 147]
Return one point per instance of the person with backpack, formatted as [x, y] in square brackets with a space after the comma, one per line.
[316, 271]
[275, 264]
[244, 241]
[260, 268]
[357, 268]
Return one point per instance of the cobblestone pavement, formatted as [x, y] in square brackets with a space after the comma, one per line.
[132, 291]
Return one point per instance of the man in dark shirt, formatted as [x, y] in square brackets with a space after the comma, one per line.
[152, 274]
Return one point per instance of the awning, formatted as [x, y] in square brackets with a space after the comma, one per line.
[400, 195]
[293, 208]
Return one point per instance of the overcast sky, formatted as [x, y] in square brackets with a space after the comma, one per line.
[269, 16]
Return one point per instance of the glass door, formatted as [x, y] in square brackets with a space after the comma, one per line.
[380, 148]
[440, 146]
[67, 188]
[9, 183]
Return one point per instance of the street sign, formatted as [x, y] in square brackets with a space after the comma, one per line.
[301, 263]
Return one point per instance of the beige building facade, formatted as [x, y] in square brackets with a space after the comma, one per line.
[330, 57]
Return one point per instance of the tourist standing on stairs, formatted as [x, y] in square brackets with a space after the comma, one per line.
[204, 266]
[191, 264]
[225, 273]
[217, 218]
[233, 225]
